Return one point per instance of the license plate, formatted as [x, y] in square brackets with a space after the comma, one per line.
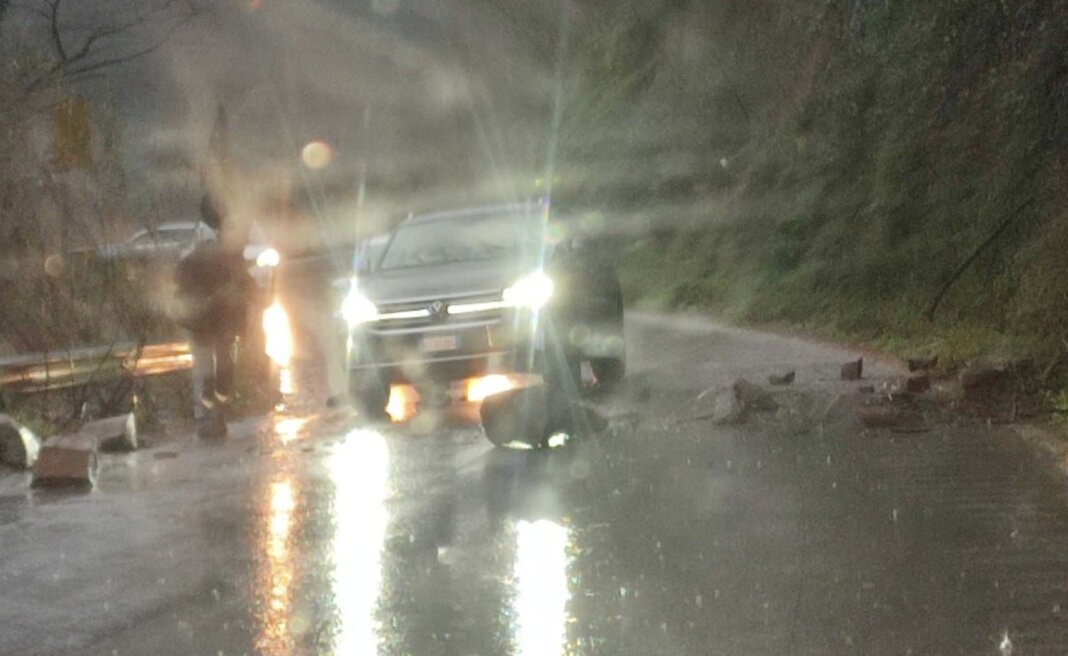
[439, 343]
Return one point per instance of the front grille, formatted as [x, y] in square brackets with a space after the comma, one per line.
[465, 309]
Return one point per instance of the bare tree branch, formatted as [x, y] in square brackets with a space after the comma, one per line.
[53, 24]
[79, 72]
[104, 32]
[89, 57]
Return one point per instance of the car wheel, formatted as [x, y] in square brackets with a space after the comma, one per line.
[608, 371]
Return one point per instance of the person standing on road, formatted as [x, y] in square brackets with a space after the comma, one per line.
[313, 301]
[214, 288]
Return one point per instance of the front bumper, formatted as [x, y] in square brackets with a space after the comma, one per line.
[447, 350]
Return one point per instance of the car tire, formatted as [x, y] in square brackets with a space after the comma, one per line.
[608, 371]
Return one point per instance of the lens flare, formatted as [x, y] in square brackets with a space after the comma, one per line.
[480, 388]
[317, 155]
[357, 308]
[532, 291]
[279, 336]
[268, 258]
[53, 265]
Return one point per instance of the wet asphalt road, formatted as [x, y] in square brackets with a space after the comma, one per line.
[793, 533]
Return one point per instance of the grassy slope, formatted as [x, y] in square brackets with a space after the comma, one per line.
[923, 127]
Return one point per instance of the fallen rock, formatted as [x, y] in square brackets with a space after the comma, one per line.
[66, 460]
[19, 447]
[720, 405]
[918, 384]
[77, 441]
[752, 396]
[922, 364]
[980, 383]
[889, 416]
[516, 415]
[117, 433]
[727, 404]
[853, 370]
[784, 379]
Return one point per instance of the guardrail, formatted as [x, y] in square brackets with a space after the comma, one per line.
[38, 372]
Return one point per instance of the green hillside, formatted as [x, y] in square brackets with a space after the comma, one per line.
[849, 159]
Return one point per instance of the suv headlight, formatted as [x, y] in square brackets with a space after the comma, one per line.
[357, 308]
[268, 257]
[532, 291]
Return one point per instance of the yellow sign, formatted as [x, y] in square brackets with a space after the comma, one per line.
[72, 133]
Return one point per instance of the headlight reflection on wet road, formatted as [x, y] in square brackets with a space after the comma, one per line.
[275, 636]
[359, 471]
[287, 429]
[542, 592]
[286, 384]
[278, 334]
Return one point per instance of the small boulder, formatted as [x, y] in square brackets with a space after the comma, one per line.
[980, 383]
[728, 404]
[532, 415]
[890, 416]
[918, 384]
[922, 364]
[19, 447]
[117, 433]
[721, 405]
[516, 415]
[66, 461]
[753, 397]
[784, 379]
[853, 370]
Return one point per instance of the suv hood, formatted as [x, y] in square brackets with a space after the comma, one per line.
[442, 281]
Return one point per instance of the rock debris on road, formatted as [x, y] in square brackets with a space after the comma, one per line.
[796, 530]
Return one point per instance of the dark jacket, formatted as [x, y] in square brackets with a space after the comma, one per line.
[214, 291]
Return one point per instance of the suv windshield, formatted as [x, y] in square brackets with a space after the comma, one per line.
[460, 239]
